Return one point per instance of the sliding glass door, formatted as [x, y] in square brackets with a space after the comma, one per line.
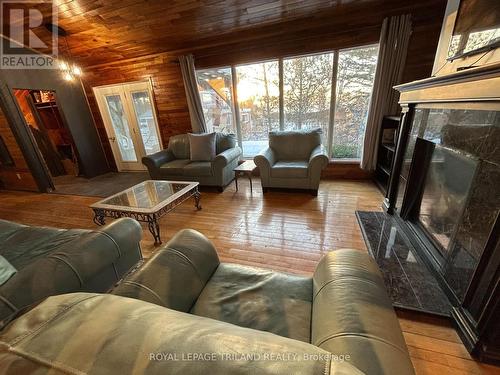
[130, 120]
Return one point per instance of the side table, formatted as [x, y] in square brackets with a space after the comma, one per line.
[245, 169]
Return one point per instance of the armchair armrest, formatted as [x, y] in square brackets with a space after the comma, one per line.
[265, 159]
[319, 156]
[226, 157]
[157, 159]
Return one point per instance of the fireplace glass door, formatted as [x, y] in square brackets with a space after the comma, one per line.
[449, 184]
[446, 189]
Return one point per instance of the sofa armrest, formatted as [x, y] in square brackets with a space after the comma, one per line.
[157, 159]
[226, 157]
[353, 314]
[73, 266]
[176, 275]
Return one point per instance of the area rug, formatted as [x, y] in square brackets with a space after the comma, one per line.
[100, 186]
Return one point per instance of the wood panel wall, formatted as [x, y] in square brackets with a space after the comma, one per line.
[264, 43]
[168, 88]
[17, 177]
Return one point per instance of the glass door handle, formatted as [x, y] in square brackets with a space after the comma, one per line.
[112, 139]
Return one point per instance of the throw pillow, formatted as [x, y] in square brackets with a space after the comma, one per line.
[202, 146]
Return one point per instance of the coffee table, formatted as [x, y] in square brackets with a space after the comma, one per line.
[147, 202]
[245, 169]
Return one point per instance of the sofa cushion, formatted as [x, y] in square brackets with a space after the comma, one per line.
[179, 146]
[224, 142]
[198, 169]
[290, 169]
[202, 147]
[259, 299]
[22, 245]
[92, 334]
[175, 167]
[294, 145]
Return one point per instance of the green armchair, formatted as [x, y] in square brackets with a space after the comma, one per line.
[294, 159]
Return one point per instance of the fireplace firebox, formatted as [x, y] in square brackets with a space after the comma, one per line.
[444, 191]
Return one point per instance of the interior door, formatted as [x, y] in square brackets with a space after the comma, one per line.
[130, 120]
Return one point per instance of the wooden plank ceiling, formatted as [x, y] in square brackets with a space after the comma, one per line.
[111, 30]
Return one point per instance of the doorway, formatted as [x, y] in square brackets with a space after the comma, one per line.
[130, 120]
[50, 134]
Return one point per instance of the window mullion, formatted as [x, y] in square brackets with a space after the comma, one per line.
[236, 109]
[281, 100]
[333, 101]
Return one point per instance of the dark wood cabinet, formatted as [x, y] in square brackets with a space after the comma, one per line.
[386, 150]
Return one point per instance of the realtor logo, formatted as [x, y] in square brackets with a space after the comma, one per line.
[26, 43]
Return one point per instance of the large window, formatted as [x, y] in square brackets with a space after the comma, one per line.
[214, 86]
[258, 104]
[356, 71]
[307, 88]
[302, 100]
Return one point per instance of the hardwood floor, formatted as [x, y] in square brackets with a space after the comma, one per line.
[283, 231]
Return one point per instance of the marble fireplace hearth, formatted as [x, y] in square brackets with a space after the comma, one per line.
[410, 284]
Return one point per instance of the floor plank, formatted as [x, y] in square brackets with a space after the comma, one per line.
[280, 230]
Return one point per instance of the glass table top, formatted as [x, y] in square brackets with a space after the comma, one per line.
[148, 196]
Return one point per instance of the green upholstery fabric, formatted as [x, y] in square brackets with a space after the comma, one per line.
[343, 310]
[202, 146]
[174, 164]
[294, 159]
[294, 145]
[179, 146]
[176, 275]
[258, 299]
[225, 142]
[198, 168]
[284, 169]
[6, 270]
[348, 286]
[55, 261]
[93, 334]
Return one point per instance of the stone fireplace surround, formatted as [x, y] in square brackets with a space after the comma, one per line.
[460, 114]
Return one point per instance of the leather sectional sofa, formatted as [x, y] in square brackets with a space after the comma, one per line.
[52, 261]
[184, 312]
[174, 163]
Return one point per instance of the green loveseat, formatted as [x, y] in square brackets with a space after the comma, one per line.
[174, 163]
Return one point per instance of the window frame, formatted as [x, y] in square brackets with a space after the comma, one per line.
[333, 95]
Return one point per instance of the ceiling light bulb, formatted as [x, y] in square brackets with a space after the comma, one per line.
[68, 76]
[76, 70]
[63, 65]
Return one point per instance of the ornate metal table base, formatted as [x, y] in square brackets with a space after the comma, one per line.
[150, 218]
